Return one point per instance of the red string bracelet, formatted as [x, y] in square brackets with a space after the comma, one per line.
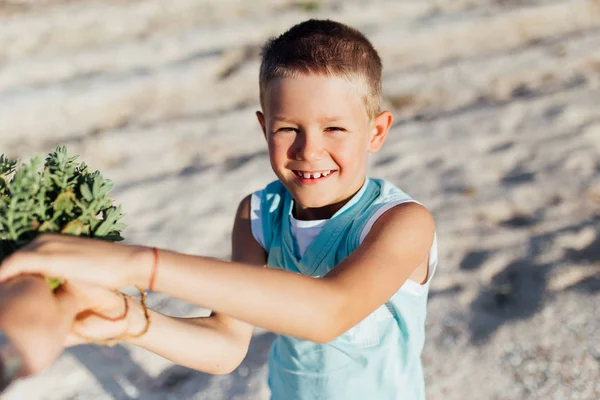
[154, 268]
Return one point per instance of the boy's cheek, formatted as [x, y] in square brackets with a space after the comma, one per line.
[279, 153]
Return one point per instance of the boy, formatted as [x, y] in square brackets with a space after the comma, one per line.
[356, 331]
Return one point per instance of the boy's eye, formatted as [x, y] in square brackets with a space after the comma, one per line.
[286, 129]
[335, 128]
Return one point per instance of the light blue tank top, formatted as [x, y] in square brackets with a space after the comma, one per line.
[380, 357]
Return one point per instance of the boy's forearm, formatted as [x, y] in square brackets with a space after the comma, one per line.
[276, 300]
[203, 344]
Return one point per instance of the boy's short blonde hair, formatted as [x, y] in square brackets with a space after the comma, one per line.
[328, 48]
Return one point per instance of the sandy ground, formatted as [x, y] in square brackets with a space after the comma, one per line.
[497, 131]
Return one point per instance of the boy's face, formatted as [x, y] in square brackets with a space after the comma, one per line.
[319, 136]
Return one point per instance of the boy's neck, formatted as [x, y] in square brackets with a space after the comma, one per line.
[311, 214]
[326, 212]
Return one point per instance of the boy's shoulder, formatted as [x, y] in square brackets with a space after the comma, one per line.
[388, 191]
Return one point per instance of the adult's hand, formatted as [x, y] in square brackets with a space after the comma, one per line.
[35, 323]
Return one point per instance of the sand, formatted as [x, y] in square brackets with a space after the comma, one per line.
[497, 132]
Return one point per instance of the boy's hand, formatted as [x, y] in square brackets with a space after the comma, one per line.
[79, 259]
[102, 314]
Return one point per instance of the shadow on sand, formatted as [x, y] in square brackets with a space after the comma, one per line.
[123, 379]
[518, 291]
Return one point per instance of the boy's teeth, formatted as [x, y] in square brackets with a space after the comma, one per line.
[313, 175]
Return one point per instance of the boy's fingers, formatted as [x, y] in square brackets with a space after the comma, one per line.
[54, 265]
[73, 340]
[18, 264]
[82, 294]
[97, 327]
[97, 298]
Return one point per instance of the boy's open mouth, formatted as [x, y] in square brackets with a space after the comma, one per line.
[314, 175]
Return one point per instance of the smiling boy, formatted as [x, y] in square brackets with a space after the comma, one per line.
[349, 258]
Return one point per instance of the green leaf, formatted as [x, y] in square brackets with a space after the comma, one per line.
[76, 228]
[86, 192]
[54, 283]
[111, 223]
[56, 195]
[48, 226]
[64, 203]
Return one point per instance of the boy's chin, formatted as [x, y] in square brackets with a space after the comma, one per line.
[310, 201]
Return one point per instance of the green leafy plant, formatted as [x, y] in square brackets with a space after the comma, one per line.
[55, 196]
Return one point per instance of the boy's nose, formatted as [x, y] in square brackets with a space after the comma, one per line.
[307, 149]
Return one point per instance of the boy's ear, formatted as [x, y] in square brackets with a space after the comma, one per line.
[261, 120]
[379, 129]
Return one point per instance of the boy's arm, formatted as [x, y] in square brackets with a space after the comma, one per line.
[215, 344]
[205, 344]
[301, 306]
[277, 300]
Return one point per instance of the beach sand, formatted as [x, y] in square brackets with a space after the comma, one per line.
[497, 132]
